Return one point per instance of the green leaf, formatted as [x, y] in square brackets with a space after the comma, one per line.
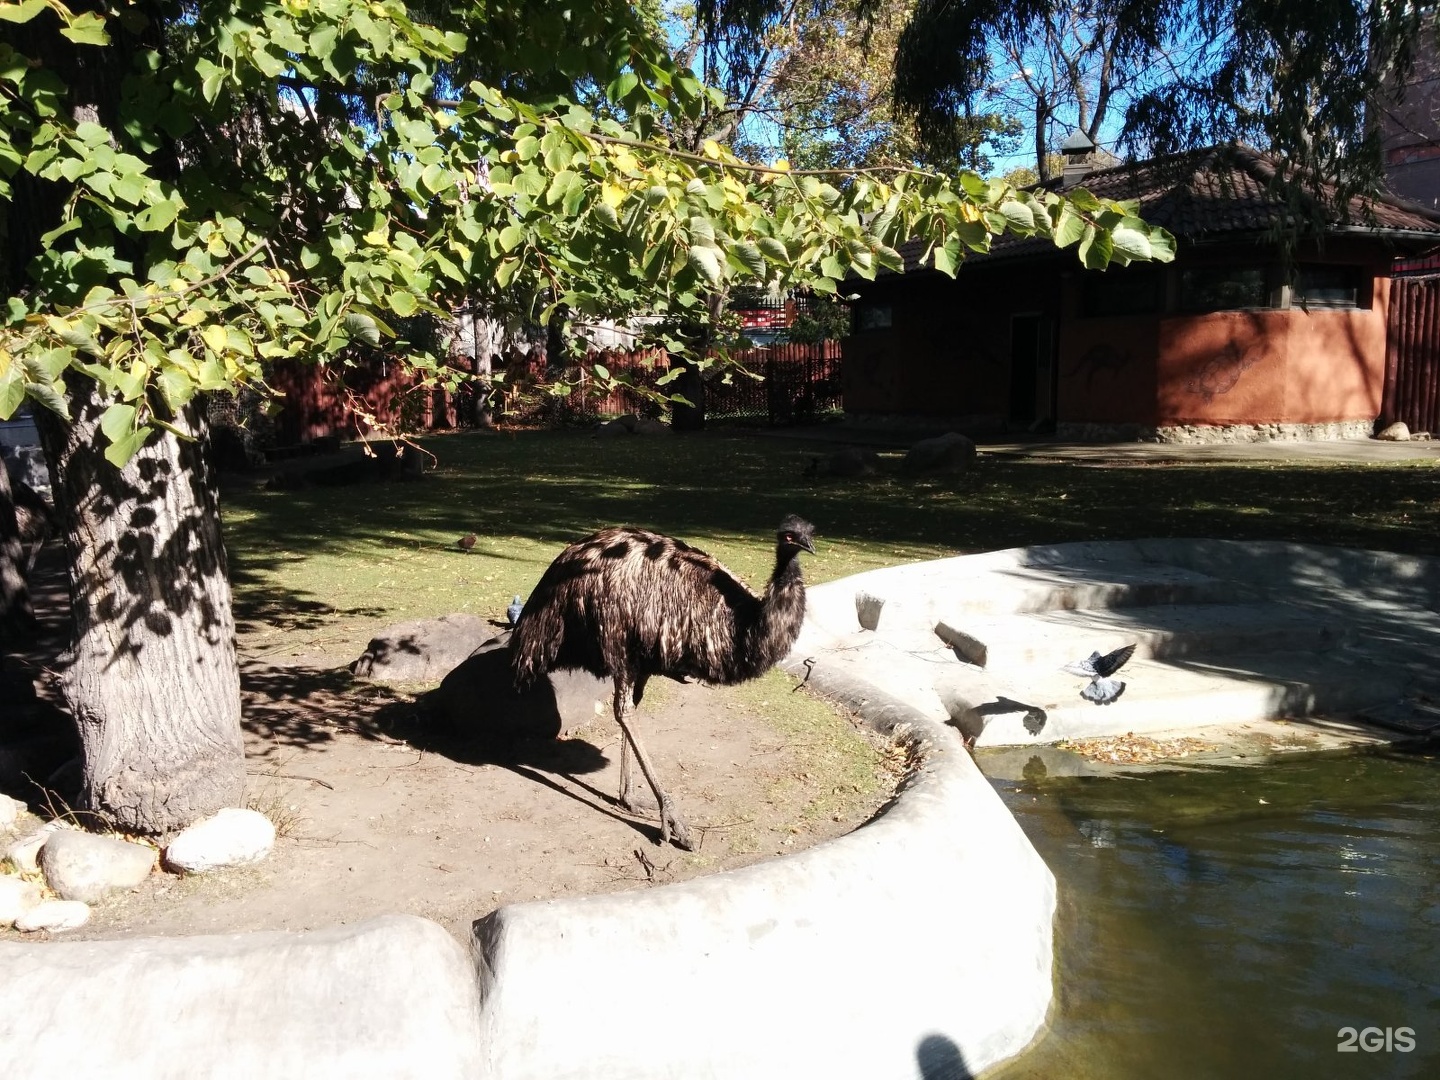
[157, 217]
[601, 372]
[1070, 227]
[511, 237]
[12, 393]
[118, 421]
[176, 387]
[362, 327]
[1130, 241]
[87, 28]
[23, 11]
[1095, 249]
[49, 397]
[707, 261]
[1020, 216]
[749, 255]
[120, 451]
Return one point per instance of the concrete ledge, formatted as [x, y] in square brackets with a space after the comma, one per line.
[918, 945]
[388, 998]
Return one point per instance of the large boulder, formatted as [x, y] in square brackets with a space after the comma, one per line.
[83, 866]
[424, 650]
[479, 699]
[951, 452]
[1399, 431]
[844, 464]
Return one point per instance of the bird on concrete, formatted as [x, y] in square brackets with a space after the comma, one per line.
[513, 611]
[466, 542]
[628, 604]
[1101, 689]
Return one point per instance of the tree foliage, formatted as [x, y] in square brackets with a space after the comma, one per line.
[191, 192]
[1296, 77]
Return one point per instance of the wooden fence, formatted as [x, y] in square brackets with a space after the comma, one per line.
[1412, 354]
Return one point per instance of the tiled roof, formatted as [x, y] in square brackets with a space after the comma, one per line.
[1214, 193]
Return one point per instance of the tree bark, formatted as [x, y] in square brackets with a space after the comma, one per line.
[15, 609]
[152, 678]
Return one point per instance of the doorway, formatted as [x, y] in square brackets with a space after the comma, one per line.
[1032, 371]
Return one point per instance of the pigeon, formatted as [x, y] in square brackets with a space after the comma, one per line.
[1102, 689]
[466, 542]
[513, 611]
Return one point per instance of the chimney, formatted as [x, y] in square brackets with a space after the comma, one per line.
[1079, 154]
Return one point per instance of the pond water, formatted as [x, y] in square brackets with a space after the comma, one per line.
[1232, 922]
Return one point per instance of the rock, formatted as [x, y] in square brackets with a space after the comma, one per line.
[421, 651]
[17, 896]
[951, 452]
[24, 853]
[54, 915]
[844, 464]
[1396, 432]
[229, 837]
[9, 811]
[83, 866]
[646, 426]
[612, 427]
[479, 699]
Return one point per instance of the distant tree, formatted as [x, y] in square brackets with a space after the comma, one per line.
[1297, 77]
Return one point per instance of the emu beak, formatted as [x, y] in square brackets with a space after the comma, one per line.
[806, 543]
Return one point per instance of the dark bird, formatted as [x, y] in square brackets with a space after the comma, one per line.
[513, 611]
[628, 604]
[1101, 689]
[466, 542]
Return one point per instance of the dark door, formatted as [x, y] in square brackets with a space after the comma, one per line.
[1032, 371]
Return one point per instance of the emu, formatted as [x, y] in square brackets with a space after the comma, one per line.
[628, 604]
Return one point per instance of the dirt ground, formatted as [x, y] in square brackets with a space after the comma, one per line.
[377, 814]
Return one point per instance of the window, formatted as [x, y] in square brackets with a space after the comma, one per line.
[1327, 286]
[872, 317]
[1224, 288]
[1120, 292]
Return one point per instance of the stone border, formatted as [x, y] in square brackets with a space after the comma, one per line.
[920, 944]
[1213, 434]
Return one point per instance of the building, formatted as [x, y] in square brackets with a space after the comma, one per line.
[1236, 339]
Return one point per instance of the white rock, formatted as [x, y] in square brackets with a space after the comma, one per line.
[230, 837]
[54, 915]
[83, 866]
[1396, 432]
[24, 853]
[17, 896]
[9, 811]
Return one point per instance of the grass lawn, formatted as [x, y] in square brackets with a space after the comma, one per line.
[326, 566]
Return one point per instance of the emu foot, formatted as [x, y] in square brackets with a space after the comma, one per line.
[673, 830]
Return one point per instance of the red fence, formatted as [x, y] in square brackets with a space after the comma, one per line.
[1412, 354]
[797, 383]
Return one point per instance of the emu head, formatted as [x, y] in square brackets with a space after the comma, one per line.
[795, 535]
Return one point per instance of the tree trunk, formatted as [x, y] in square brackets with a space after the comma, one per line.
[15, 610]
[152, 678]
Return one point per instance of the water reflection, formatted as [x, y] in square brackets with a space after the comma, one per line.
[1230, 923]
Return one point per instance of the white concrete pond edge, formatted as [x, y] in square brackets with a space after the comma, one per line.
[917, 946]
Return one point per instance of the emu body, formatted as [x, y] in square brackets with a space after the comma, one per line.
[629, 604]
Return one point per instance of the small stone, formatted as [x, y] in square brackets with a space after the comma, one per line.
[54, 915]
[17, 896]
[24, 853]
[83, 866]
[1396, 432]
[9, 811]
[230, 837]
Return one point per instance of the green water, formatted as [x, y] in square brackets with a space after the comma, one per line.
[1230, 923]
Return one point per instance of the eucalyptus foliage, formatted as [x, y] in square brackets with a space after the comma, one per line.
[190, 192]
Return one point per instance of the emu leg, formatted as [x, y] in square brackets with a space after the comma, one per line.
[671, 827]
[633, 797]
